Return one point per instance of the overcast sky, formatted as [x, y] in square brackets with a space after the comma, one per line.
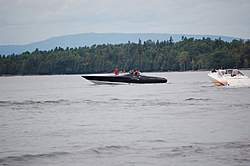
[27, 21]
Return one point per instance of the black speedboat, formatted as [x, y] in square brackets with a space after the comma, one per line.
[125, 78]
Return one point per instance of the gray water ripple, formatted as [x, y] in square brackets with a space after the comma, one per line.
[67, 121]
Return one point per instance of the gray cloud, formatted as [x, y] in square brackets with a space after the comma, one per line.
[26, 21]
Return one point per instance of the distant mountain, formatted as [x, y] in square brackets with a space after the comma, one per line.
[88, 39]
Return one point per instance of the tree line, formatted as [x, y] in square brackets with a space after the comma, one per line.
[187, 54]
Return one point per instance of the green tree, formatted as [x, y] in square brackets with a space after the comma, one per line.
[187, 54]
[183, 58]
[246, 63]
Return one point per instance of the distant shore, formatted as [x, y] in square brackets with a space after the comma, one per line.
[9, 75]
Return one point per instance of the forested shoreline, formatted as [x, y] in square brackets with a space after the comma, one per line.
[147, 56]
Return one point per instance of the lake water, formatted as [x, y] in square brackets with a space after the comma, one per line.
[66, 120]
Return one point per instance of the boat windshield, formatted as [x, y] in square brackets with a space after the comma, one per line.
[229, 71]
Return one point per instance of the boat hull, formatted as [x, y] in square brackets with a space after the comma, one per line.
[120, 79]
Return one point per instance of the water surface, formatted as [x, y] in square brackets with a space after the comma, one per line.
[66, 120]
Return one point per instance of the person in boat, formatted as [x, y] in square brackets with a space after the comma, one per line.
[138, 72]
[222, 71]
[235, 72]
[116, 72]
[213, 70]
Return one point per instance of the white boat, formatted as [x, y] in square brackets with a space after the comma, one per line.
[225, 78]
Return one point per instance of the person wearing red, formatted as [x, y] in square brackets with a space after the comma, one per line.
[137, 72]
[116, 72]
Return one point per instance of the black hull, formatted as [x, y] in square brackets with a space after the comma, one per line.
[139, 79]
